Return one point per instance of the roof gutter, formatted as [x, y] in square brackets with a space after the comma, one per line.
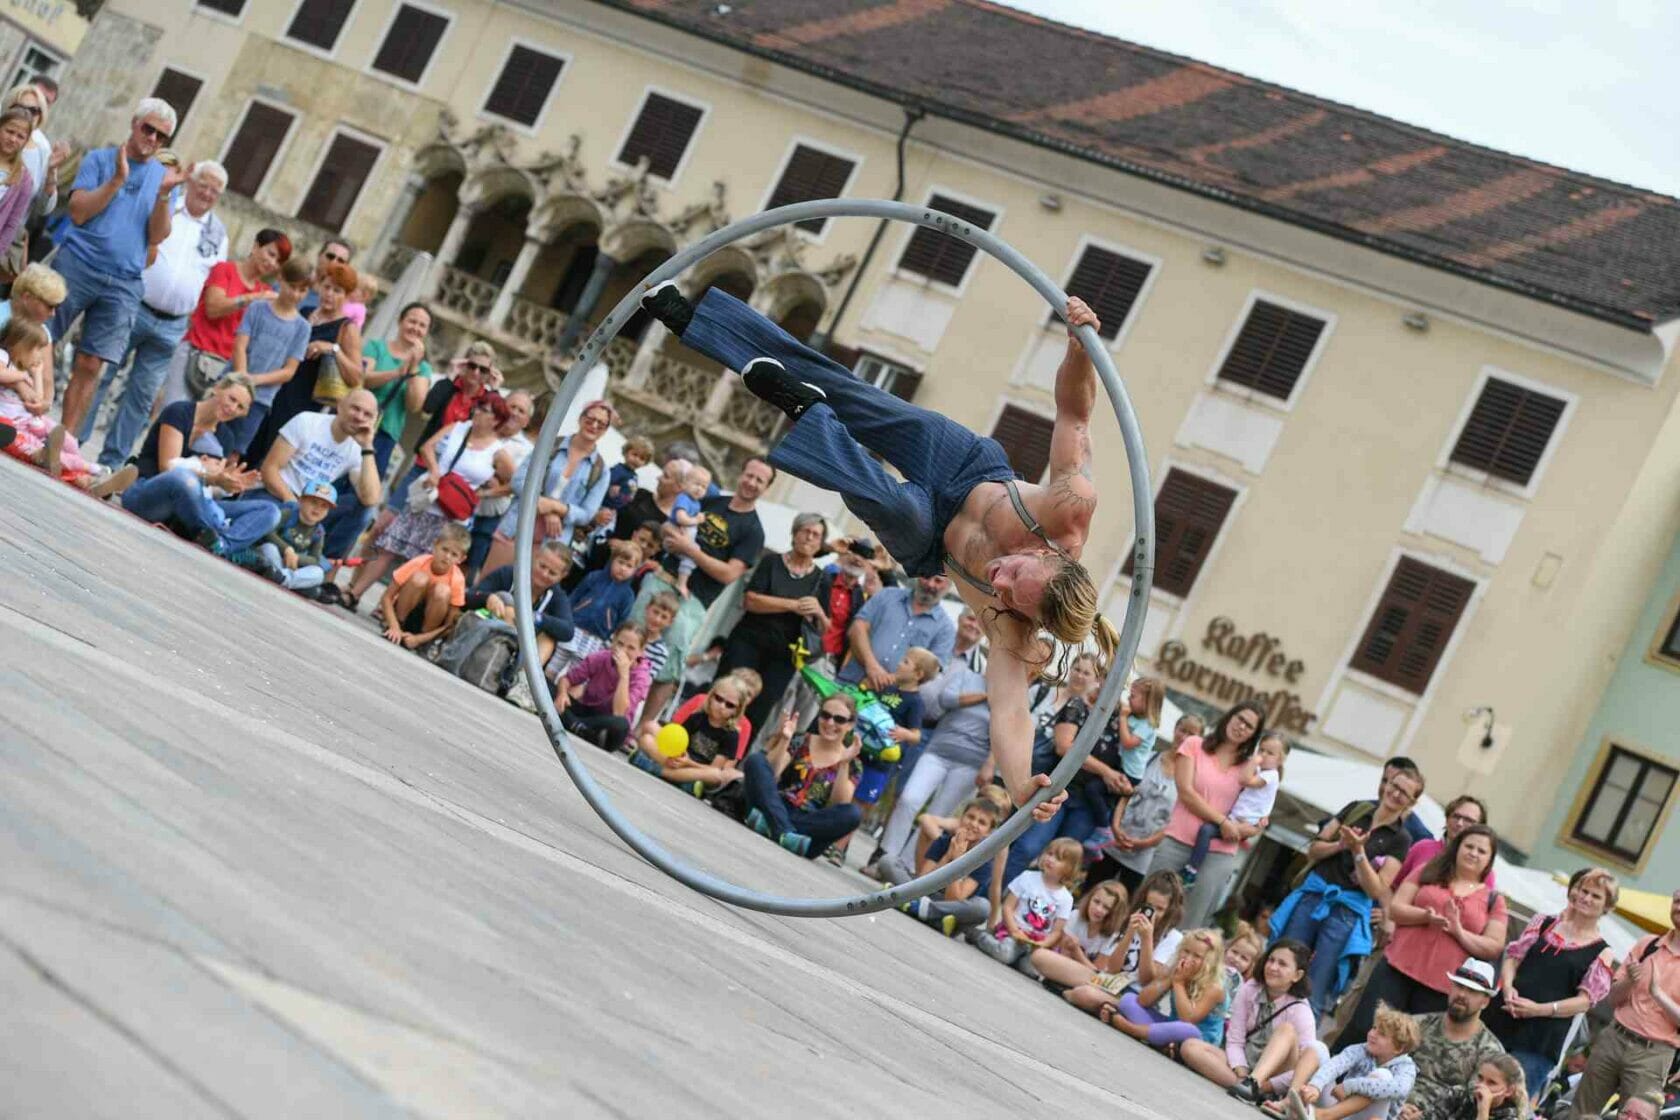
[1242, 202]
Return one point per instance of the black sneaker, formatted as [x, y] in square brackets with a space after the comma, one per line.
[7, 434]
[769, 381]
[670, 307]
[1246, 1091]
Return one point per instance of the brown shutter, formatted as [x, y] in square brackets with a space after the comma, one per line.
[346, 168]
[1025, 437]
[1110, 283]
[939, 256]
[1271, 350]
[180, 91]
[811, 174]
[1412, 624]
[1508, 431]
[318, 22]
[661, 133]
[523, 87]
[1189, 512]
[409, 45]
[254, 147]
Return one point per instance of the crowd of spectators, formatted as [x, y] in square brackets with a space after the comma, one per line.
[257, 420]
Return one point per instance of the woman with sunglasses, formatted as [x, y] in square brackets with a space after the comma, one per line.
[716, 743]
[471, 450]
[448, 400]
[573, 489]
[800, 789]
[332, 361]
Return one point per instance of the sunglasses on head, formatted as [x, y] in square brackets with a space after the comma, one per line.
[151, 130]
[836, 717]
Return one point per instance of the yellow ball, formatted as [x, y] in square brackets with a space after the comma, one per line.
[672, 740]
[892, 753]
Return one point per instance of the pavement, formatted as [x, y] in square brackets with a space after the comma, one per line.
[256, 862]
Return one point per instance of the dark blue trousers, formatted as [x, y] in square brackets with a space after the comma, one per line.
[831, 444]
[824, 826]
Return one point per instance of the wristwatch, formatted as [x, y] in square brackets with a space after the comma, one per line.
[335, 348]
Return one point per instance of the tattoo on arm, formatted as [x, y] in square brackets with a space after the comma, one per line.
[1062, 488]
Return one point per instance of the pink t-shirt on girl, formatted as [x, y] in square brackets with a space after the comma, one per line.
[1217, 785]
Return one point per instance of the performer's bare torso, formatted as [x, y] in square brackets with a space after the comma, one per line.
[987, 528]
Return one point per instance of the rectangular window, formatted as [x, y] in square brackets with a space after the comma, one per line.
[339, 181]
[1025, 437]
[180, 91]
[410, 43]
[251, 152]
[37, 62]
[526, 80]
[1413, 622]
[1271, 350]
[1508, 431]
[661, 133]
[939, 256]
[318, 22]
[226, 7]
[901, 381]
[1189, 512]
[811, 174]
[1666, 649]
[1110, 283]
[1625, 804]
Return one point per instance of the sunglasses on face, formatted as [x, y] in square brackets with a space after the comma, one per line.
[595, 421]
[833, 717]
[335, 258]
[151, 130]
[478, 367]
[726, 702]
[31, 110]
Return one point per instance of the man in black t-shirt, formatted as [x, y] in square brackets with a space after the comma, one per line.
[729, 538]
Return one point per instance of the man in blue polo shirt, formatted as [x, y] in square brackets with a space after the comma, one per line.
[119, 209]
[893, 621]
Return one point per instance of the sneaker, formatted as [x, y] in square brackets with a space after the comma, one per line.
[7, 434]
[330, 595]
[519, 694]
[1188, 876]
[769, 381]
[756, 822]
[115, 482]
[670, 307]
[948, 925]
[1246, 1090]
[797, 843]
[697, 788]
[1297, 1109]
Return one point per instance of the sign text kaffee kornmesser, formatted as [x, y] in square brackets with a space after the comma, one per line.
[1257, 654]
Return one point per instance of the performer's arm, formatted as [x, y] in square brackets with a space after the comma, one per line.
[1012, 723]
[1073, 491]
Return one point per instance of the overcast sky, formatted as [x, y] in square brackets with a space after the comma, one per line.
[1577, 83]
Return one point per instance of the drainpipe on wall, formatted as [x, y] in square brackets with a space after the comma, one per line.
[819, 341]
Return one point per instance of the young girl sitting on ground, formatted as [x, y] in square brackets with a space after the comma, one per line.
[1150, 941]
[39, 441]
[965, 902]
[1194, 994]
[601, 692]
[1368, 1081]
[1094, 931]
[1253, 804]
[1269, 1025]
[1037, 905]
[1498, 1093]
[715, 745]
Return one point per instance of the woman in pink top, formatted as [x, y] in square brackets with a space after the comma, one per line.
[1443, 916]
[1209, 772]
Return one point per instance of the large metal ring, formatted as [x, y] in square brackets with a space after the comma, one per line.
[1131, 629]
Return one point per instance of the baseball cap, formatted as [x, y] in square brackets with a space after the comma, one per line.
[1475, 975]
[320, 488]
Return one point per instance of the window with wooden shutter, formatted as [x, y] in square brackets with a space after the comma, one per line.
[1626, 802]
[1412, 624]
[810, 174]
[1110, 283]
[339, 181]
[1271, 350]
[523, 87]
[225, 7]
[901, 381]
[254, 146]
[1508, 431]
[410, 43]
[661, 133]
[939, 256]
[1189, 512]
[1025, 437]
[318, 22]
[180, 91]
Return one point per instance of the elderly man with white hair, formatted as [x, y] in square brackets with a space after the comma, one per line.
[170, 289]
[119, 209]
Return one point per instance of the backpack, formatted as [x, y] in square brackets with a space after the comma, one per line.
[480, 651]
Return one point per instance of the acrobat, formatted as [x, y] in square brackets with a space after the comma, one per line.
[1013, 547]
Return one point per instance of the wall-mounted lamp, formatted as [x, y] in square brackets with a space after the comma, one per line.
[1417, 321]
[1214, 255]
[1051, 202]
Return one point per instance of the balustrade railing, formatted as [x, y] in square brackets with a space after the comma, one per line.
[465, 294]
[539, 326]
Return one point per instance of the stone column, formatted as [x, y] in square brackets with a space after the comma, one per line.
[516, 279]
[412, 188]
[451, 247]
[591, 295]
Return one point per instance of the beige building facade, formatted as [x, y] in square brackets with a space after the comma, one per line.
[1412, 498]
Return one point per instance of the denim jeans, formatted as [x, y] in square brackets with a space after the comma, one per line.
[350, 518]
[179, 495]
[1078, 817]
[150, 345]
[301, 578]
[824, 826]
[1325, 938]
